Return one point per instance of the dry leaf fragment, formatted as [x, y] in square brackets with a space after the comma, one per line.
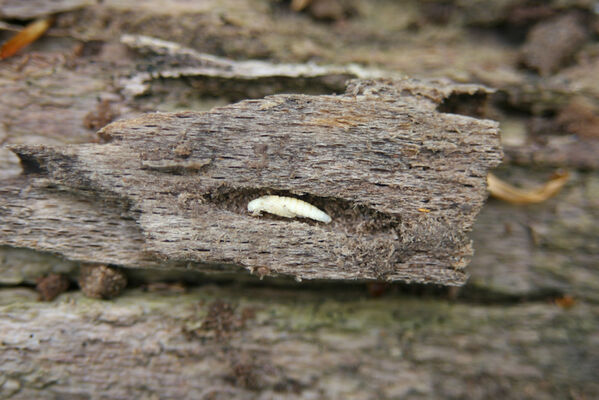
[25, 37]
[514, 195]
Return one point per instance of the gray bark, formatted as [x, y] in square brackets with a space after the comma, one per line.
[226, 343]
[402, 182]
[533, 334]
[37, 110]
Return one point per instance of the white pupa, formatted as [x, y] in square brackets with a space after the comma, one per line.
[287, 207]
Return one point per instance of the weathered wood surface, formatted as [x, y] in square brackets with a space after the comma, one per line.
[168, 60]
[40, 109]
[311, 344]
[235, 343]
[38, 8]
[542, 249]
[530, 251]
[373, 159]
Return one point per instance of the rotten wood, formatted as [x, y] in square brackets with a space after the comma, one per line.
[534, 269]
[373, 159]
[168, 60]
[37, 108]
[227, 343]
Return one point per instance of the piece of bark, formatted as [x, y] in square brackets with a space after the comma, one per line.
[37, 108]
[18, 9]
[551, 44]
[402, 181]
[257, 30]
[168, 60]
[227, 343]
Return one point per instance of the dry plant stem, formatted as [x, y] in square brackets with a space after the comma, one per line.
[370, 159]
[514, 195]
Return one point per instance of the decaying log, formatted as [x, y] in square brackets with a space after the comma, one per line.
[37, 108]
[402, 182]
[534, 269]
[223, 343]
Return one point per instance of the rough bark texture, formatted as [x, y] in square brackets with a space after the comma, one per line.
[38, 108]
[38, 8]
[307, 341]
[168, 60]
[402, 182]
[541, 249]
[222, 343]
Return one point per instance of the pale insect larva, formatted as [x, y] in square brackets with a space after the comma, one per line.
[287, 207]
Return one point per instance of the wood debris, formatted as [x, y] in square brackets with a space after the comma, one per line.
[185, 179]
[504, 191]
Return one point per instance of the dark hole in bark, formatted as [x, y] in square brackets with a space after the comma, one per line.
[472, 105]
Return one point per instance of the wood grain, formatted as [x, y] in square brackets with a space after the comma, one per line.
[372, 158]
[243, 343]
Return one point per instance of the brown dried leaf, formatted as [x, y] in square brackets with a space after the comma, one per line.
[514, 195]
[25, 37]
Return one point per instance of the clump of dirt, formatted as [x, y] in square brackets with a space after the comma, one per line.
[101, 281]
[326, 10]
[246, 372]
[49, 287]
[255, 371]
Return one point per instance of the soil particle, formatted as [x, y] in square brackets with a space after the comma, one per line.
[49, 287]
[101, 281]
